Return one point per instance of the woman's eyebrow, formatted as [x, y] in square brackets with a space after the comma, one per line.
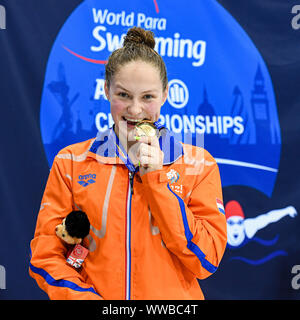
[118, 86]
[150, 90]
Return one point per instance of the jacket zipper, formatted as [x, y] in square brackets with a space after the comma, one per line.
[131, 176]
[128, 237]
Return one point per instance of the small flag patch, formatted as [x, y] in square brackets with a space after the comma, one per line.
[220, 206]
[77, 256]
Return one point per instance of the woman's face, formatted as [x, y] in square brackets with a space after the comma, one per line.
[135, 93]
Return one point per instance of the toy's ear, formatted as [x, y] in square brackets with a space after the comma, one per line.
[59, 230]
[78, 240]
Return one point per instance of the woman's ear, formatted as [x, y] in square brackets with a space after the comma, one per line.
[165, 94]
[106, 90]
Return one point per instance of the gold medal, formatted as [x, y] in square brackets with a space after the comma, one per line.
[146, 128]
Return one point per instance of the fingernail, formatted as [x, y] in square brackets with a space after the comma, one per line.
[137, 138]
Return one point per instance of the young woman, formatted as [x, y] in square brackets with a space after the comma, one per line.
[154, 204]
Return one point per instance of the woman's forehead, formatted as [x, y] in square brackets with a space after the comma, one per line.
[137, 73]
[138, 66]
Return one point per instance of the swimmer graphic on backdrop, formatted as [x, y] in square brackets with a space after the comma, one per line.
[240, 230]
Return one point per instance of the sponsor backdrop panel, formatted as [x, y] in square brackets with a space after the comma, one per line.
[232, 88]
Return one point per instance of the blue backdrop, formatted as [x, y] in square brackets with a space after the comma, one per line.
[232, 69]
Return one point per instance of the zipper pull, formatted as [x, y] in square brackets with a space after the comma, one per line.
[131, 176]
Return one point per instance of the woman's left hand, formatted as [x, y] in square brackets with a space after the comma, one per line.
[149, 154]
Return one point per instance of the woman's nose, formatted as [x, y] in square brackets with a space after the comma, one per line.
[135, 107]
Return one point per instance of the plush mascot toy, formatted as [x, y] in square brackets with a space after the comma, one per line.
[73, 229]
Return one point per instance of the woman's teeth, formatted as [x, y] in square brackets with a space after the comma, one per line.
[133, 120]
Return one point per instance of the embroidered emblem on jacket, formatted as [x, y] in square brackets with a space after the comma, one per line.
[173, 176]
[86, 179]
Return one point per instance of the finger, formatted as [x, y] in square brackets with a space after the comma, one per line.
[155, 153]
[146, 161]
[152, 141]
[132, 134]
[146, 150]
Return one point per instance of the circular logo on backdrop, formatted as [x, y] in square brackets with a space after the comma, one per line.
[219, 85]
[178, 95]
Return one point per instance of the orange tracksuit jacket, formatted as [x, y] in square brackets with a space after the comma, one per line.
[151, 237]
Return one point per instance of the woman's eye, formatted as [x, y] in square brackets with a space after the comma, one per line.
[123, 94]
[148, 96]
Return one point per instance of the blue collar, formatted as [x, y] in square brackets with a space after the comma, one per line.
[108, 145]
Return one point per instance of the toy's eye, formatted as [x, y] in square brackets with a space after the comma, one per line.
[63, 235]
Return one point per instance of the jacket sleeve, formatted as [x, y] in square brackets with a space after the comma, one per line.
[195, 230]
[48, 264]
